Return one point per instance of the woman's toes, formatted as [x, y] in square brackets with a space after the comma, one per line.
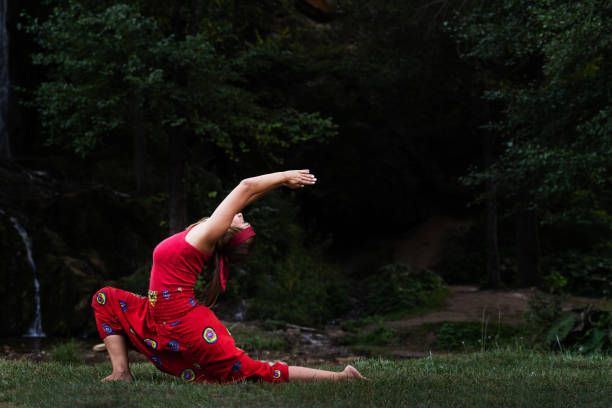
[352, 373]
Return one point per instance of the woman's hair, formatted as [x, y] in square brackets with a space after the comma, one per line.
[235, 255]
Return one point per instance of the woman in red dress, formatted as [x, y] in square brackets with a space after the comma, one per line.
[179, 336]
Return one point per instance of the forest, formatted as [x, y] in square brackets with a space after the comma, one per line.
[454, 143]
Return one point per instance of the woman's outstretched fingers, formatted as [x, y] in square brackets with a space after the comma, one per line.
[299, 178]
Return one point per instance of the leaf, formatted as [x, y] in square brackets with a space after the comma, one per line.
[560, 328]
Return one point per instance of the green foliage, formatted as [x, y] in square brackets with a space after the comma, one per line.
[560, 329]
[457, 336]
[377, 336]
[583, 274]
[285, 279]
[470, 336]
[69, 352]
[300, 288]
[397, 288]
[355, 325]
[137, 282]
[543, 309]
[584, 330]
[253, 339]
[546, 78]
[115, 70]
[545, 65]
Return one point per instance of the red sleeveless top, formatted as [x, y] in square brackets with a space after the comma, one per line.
[176, 266]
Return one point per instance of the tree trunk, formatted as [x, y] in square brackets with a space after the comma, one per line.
[177, 202]
[140, 146]
[5, 145]
[177, 140]
[493, 268]
[527, 248]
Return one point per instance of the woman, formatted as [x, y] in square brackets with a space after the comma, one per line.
[178, 335]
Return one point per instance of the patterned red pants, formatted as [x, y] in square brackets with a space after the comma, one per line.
[192, 344]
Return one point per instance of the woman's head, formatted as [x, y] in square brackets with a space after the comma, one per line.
[232, 248]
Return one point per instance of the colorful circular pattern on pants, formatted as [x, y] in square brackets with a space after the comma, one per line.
[101, 298]
[166, 294]
[174, 346]
[123, 305]
[107, 329]
[277, 374]
[209, 335]
[188, 374]
[156, 360]
[151, 343]
[192, 302]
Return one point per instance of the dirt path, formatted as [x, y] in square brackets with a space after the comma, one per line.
[467, 303]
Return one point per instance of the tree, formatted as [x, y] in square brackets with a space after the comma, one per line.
[548, 72]
[176, 75]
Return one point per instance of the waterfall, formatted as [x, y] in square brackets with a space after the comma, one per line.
[35, 329]
[5, 148]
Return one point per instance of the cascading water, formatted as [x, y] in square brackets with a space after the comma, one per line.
[5, 149]
[35, 329]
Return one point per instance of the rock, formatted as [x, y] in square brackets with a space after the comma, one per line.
[83, 238]
[99, 347]
[66, 287]
[16, 281]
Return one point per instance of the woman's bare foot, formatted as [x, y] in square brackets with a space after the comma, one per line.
[351, 373]
[119, 376]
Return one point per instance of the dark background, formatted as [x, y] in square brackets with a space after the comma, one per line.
[419, 109]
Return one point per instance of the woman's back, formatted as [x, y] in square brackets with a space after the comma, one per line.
[176, 264]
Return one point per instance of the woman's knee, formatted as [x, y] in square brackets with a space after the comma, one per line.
[101, 297]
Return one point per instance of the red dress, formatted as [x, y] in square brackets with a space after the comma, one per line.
[179, 336]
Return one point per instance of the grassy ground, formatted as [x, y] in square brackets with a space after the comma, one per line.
[499, 378]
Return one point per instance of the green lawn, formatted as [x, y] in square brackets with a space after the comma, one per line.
[499, 378]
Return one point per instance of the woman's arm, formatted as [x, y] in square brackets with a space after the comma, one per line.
[204, 236]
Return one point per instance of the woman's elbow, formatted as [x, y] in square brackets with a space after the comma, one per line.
[247, 185]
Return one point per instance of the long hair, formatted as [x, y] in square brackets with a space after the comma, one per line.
[235, 255]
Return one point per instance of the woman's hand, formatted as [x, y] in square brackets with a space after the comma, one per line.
[298, 178]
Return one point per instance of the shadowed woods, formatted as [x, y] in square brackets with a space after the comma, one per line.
[462, 150]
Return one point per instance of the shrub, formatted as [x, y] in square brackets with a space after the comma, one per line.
[397, 288]
[300, 289]
[585, 330]
[286, 278]
[253, 339]
[542, 310]
[586, 274]
[377, 336]
[67, 352]
[472, 335]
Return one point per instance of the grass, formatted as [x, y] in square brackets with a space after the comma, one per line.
[504, 378]
[67, 352]
[253, 339]
[371, 337]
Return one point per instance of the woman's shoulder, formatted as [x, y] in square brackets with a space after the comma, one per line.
[175, 246]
